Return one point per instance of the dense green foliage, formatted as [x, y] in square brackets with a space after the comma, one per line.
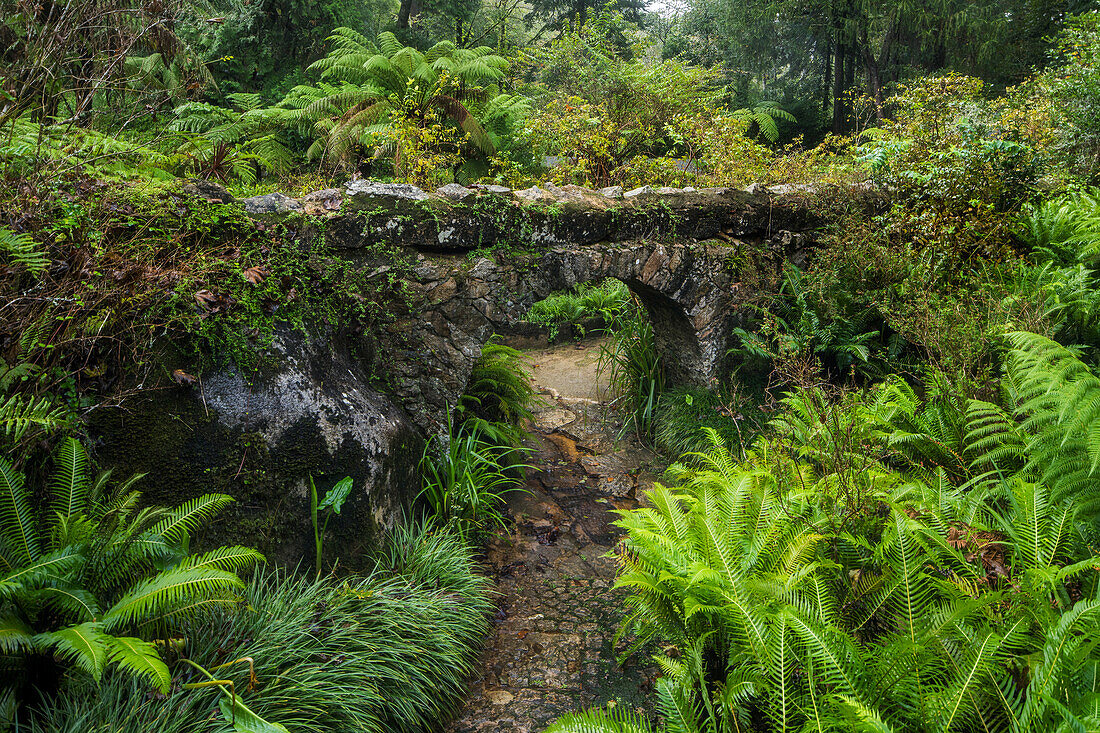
[609, 302]
[469, 469]
[389, 651]
[905, 543]
[90, 580]
[879, 563]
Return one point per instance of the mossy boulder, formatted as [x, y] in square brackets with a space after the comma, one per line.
[309, 411]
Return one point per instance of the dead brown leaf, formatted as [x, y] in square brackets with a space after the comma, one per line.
[183, 377]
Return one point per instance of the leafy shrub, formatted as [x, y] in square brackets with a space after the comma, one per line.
[389, 651]
[1071, 89]
[777, 619]
[945, 149]
[610, 301]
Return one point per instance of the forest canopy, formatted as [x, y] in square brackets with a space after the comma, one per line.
[510, 91]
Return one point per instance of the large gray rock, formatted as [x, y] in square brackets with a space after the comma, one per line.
[271, 204]
[372, 189]
[207, 190]
[310, 411]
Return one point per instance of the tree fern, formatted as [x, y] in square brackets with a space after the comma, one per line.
[363, 84]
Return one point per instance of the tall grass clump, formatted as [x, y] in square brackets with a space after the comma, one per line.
[467, 473]
[634, 372]
[388, 651]
[683, 413]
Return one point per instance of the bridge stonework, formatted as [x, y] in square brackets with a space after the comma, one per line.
[477, 259]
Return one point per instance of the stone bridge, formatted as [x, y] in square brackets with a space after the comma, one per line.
[477, 259]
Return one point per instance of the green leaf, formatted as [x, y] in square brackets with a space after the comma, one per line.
[337, 495]
[70, 480]
[83, 645]
[162, 595]
[17, 526]
[243, 720]
[139, 658]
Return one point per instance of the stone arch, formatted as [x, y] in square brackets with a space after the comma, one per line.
[686, 289]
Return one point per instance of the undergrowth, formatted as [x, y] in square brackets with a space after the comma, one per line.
[388, 651]
[144, 276]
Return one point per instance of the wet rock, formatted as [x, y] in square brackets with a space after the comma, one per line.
[499, 697]
[324, 201]
[492, 188]
[208, 190]
[455, 191]
[271, 205]
[535, 194]
[553, 418]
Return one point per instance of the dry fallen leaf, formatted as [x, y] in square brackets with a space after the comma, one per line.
[255, 274]
[205, 297]
[183, 377]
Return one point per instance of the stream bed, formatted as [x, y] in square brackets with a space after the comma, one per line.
[551, 648]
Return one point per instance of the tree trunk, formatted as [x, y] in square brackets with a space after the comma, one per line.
[409, 9]
[838, 86]
[873, 65]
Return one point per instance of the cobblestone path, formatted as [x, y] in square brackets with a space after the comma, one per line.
[551, 647]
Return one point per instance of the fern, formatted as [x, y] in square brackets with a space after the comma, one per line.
[91, 549]
[500, 387]
[1059, 397]
[364, 85]
[21, 250]
[618, 719]
[19, 414]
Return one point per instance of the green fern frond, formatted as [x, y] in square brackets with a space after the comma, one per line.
[84, 645]
[230, 559]
[18, 530]
[70, 483]
[19, 414]
[161, 595]
[189, 516]
[140, 659]
[619, 719]
[22, 250]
